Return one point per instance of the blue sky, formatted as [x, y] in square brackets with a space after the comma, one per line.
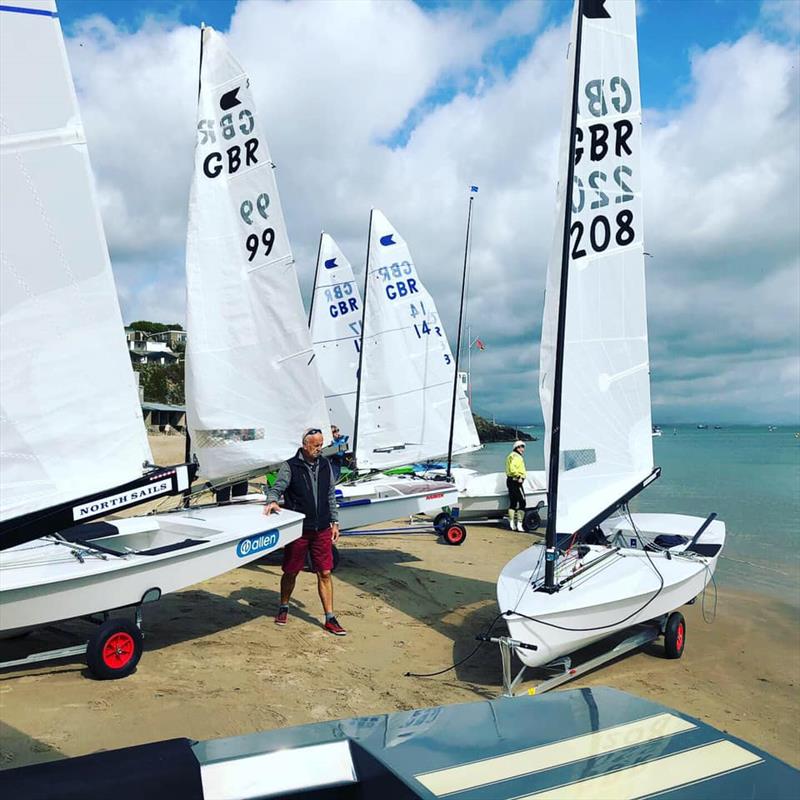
[471, 93]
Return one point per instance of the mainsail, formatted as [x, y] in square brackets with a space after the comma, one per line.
[252, 386]
[70, 420]
[336, 331]
[594, 366]
[407, 368]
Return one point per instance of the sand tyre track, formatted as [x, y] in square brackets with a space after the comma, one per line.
[675, 635]
[114, 649]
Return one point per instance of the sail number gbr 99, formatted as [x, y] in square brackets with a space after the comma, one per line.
[254, 241]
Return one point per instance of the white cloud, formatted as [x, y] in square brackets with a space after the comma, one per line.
[783, 16]
[335, 81]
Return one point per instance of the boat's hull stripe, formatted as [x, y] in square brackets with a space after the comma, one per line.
[661, 775]
[549, 756]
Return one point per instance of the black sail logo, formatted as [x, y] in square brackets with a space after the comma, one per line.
[229, 100]
[595, 9]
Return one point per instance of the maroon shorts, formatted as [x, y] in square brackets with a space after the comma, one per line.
[320, 543]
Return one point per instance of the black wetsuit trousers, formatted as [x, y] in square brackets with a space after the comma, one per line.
[516, 496]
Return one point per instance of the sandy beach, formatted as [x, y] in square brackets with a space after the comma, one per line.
[216, 665]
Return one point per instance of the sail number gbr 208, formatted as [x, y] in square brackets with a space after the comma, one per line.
[602, 197]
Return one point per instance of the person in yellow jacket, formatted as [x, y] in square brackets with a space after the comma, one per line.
[515, 480]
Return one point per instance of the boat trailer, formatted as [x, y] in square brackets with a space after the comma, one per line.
[445, 524]
[448, 525]
[671, 626]
[112, 650]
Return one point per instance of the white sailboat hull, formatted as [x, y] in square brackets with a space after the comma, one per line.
[386, 498]
[616, 587]
[43, 582]
[482, 496]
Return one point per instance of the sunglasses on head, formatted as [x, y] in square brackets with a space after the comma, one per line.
[311, 432]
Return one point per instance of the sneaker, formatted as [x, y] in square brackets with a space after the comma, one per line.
[332, 626]
[282, 617]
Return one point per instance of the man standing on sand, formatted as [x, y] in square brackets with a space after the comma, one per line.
[515, 480]
[307, 485]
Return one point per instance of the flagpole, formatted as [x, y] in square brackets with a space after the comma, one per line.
[469, 365]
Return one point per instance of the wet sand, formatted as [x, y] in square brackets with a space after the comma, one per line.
[216, 665]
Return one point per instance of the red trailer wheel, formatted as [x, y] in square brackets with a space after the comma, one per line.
[675, 635]
[455, 534]
[114, 649]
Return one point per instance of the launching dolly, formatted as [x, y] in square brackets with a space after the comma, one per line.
[445, 525]
[672, 627]
[112, 650]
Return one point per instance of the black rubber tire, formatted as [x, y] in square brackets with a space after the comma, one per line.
[114, 649]
[531, 521]
[310, 565]
[442, 521]
[675, 635]
[455, 534]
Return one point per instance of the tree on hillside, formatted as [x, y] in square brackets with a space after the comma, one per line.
[162, 383]
[154, 327]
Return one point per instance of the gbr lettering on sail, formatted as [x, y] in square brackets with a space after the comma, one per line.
[234, 162]
[606, 206]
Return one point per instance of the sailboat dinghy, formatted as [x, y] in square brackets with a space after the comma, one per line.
[602, 569]
[55, 562]
[394, 410]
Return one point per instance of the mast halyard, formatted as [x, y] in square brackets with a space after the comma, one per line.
[555, 423]
[361, 346]
[458, 337]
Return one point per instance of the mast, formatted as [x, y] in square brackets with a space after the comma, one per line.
[555, 424]
[361, 346]
[458, 338]
[187, 453]
[314, 285]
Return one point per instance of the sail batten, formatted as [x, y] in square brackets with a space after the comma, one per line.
[599, 416]
[407, 369]
[252, 385]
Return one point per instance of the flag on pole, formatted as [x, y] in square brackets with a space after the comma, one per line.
[479, 344]
[473, 189]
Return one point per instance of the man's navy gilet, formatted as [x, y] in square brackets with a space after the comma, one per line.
[299, 494]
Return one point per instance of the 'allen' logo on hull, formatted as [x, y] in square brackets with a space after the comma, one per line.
[257, 544]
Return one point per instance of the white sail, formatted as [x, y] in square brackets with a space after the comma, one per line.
[336, 332]
[605, 430]
[252, 386]
[70, 421]
[407, 367]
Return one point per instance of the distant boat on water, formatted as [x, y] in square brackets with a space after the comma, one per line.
[657, 430]
[771, 428]
[702, 427]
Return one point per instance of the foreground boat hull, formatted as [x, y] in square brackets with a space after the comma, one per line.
[583, 743]
[607, 590]
[44, 582]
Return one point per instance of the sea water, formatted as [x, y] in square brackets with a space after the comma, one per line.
[749, 475]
